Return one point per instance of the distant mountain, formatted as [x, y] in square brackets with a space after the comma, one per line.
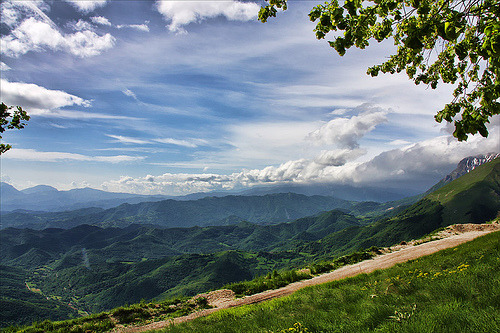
[7, 190]
[345, 192]
[47, 198]
[272, 208]
[39, 189]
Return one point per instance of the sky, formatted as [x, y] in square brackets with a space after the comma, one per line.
[176, 97]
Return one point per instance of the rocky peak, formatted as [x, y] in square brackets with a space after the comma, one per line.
[470, 163]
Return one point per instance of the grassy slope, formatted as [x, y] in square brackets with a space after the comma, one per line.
[455, 290]
[472, 197]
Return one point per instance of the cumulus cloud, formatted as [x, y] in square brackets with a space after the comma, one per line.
[338, 157]
[87, 6]
[346, 132]
[36, 35]
[181, 13]
[43, 156]
[14, 11]
[174, 184]
[406, 166]
[37, 99]
[80, 25]
[100, 20]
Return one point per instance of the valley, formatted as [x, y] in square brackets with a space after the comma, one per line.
[103, 259]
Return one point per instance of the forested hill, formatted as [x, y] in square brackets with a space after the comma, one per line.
[272, 208]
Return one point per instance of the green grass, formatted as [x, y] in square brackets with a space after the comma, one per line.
[448, 192]
[455, 290]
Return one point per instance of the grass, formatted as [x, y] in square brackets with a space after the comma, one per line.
[275, 279]
[454, 290]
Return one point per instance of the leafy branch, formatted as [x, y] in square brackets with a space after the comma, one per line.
[449, 41]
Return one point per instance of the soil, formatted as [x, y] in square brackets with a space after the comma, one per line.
[223, 299]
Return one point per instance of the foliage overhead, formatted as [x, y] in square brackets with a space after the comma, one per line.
[452, 41]
[11, 120]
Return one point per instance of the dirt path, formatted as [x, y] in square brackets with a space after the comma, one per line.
[455, 235]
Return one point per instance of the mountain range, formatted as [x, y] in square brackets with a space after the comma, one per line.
[98, 267]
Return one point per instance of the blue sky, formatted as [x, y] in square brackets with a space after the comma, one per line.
[175, 97]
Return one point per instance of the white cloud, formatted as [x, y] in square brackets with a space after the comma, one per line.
[126, 139]
[338, 157]
[399, 142]
[141, 27]
[36, 35]
[100, 20]
[42, 156]
[175, 184]
[183, 143]
[13, 11]
[181, 13]
[71, 114]
[346, 132]
[80, 25]
[130, 93]
[192, 143]
[4, 67]
[37, 99]
[87, 6]
[407, 166]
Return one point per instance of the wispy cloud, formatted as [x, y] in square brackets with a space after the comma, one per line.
[127, 140]
[141, 27]
[183, 143]
[191, 143]
[129, 93]
[43, 156]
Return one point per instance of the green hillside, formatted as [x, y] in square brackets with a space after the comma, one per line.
[454, 290]
[97, 269]
[472, 197]
[16, 301]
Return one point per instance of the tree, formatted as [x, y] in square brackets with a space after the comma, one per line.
[450, 41]
[11, 120]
